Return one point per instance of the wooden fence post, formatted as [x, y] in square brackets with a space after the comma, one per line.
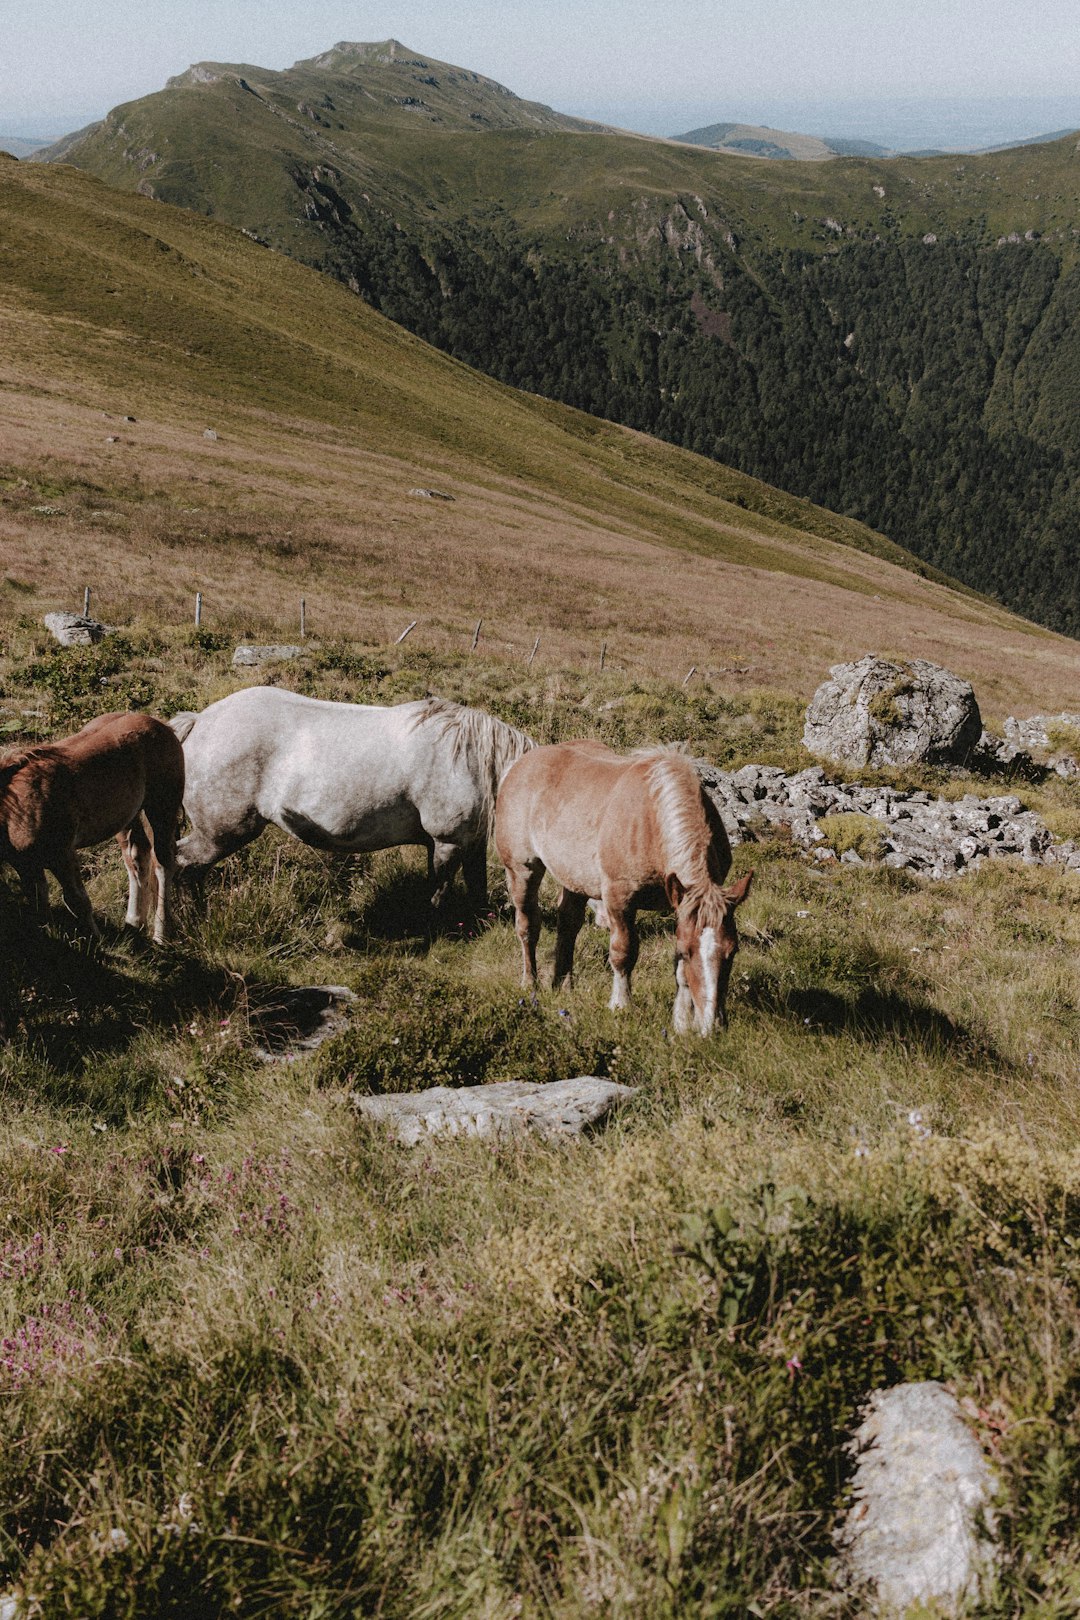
[532, 655]
[603, 655]
[404, 633]
[86, 602]
[303, 618]
[198, 609]
[476, 635]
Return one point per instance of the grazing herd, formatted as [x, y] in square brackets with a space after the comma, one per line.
[632, 832]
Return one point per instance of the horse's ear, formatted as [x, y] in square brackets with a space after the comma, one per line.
[674, 890]
[739, 891]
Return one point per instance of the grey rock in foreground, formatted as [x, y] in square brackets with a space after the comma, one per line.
[555, 1109]
[74, 630]
[876, 712]
[295, 1020]
[920, 1529]
[276, 653]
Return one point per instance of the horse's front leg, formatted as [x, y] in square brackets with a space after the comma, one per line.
[35, 888]
[524, 886]
[571, 917]
[75, 896]
[622, 951]
[443, 861]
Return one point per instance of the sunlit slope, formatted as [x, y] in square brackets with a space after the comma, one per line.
[327, 418]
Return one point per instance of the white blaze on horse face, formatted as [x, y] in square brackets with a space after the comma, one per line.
[709, 951]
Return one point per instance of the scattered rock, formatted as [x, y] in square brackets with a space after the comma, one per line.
[935, 837]
[432, 494]
[74, 630]
[277, 653]
[555, 1109]
[876, 712]
[921, 1527]
[208, 433]
[294, 1021]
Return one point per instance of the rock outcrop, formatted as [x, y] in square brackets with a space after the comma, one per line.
[877, 712]
[934, 836]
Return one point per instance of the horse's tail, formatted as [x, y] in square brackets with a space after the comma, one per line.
[494, 746]
[182, 723]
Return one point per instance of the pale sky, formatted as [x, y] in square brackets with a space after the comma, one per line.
[661, 66]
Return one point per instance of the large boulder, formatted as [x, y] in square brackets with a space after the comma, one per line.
[74, 629]
[921, 1527]
[877, 712]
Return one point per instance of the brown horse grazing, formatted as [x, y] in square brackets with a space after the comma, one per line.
[59, 797]
[634, 831]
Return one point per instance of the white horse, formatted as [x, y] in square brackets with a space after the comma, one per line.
[345, 776]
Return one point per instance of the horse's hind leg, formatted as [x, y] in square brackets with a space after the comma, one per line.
[135, 848]
[474, 870]
[524, 885]
[162, 821]
[571, 917]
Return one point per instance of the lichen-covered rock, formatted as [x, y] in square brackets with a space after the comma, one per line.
[876, 712]
[555, 1109]
[74, 629]
[920, 1531]
[276, 653]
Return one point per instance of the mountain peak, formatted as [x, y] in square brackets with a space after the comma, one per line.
[354, 53]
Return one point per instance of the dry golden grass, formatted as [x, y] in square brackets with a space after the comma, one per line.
[277, 509]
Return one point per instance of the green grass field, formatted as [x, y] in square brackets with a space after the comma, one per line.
[259, 1360]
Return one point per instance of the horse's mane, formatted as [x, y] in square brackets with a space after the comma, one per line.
[688, 830]
[493, 744]
[14, 760]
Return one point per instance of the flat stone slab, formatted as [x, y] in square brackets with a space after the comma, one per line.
[294, 1021]
[921, 1524]
[277, 653]
[555, 1109]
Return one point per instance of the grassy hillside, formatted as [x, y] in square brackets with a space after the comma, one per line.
[257, 1360]
[893, 338]
[328, 417]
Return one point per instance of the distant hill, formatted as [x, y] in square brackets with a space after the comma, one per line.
[752, 140]
[894, 338]
[18, 146]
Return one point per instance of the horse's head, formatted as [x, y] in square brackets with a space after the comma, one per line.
[706, 940]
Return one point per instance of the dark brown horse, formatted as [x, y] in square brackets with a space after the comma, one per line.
[122, 775]
[635, 831]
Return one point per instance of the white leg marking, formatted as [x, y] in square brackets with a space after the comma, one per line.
[620, 991]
